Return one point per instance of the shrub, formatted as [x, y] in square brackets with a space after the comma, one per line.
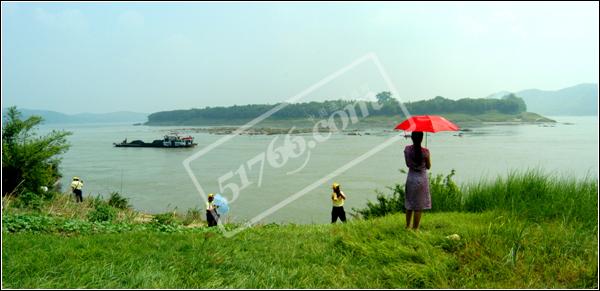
[33, 201]
[28, 223]
[117, 201]
[102, 212]
[29, 200]
[194, 214]
[29, 161]
[384, 204]
[166, 222]
[39, 223]
[97, 200]
[167, 218]
[445, 196]
[50, 194]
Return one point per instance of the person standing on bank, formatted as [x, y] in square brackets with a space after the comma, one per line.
[76, 186]
[212, 217]
[417, 196]
[338, 198]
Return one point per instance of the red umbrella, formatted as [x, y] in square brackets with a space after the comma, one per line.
[427, 123]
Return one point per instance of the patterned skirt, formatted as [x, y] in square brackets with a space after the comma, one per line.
[417, 191]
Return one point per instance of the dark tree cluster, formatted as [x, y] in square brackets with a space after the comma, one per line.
[385, 105]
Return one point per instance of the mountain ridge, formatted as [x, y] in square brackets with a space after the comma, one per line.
[580, 99]
[50, 116]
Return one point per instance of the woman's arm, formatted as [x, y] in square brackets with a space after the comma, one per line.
[406, 158]
[428, 162]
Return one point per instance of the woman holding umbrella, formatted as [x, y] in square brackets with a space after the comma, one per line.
[417, 196]
[418, 162]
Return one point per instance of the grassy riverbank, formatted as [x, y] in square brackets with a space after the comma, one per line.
[496, 251]
[525, 230]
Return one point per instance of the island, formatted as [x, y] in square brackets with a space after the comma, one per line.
[386, 112]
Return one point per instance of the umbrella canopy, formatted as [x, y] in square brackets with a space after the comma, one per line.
[221, 203]
[427, 123]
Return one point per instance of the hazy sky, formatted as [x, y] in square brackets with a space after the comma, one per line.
[147, 57]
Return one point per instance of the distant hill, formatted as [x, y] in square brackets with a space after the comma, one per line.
[57, 117]
[581, 99]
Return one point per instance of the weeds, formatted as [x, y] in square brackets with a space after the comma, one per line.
[193, 215]
[102, 212]
[445, 194]
[531, 195]
[117, 201]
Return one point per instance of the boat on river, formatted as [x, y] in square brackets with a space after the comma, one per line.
[169, 141]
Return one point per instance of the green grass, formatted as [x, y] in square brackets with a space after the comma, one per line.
[526, 230]
[377, 253]
[536, 196]
[532, 195]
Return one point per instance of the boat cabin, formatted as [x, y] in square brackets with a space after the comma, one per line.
[177, 141]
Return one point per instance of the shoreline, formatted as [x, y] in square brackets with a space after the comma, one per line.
[63, 205]
[372, 130]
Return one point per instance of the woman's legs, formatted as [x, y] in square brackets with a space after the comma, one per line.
[408, 216]
[417, 219]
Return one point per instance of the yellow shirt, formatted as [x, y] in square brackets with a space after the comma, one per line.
[337, 201]
[77, 185]
[209, 205]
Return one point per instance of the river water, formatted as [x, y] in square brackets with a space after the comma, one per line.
[295, 186]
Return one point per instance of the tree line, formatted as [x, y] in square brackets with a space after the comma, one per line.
[386, 105]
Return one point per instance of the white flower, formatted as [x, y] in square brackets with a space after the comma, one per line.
[453, 237]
